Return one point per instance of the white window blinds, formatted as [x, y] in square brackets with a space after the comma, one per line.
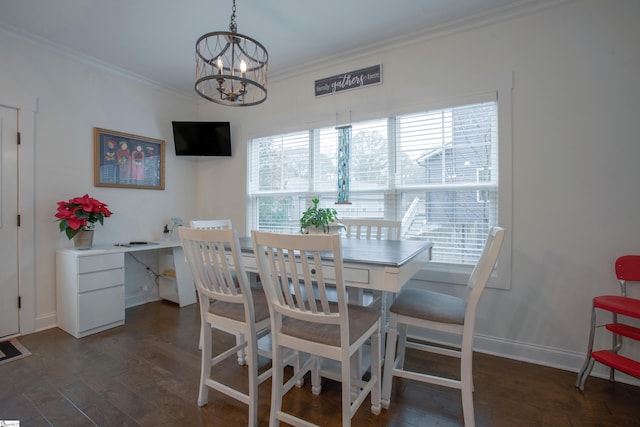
[437, 171]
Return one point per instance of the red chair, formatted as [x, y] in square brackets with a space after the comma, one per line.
[627, 270]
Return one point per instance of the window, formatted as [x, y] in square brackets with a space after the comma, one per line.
[437, 171]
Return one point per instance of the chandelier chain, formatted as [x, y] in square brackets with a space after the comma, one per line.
[232, 26]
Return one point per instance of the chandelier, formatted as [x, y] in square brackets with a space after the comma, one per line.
[231, 68]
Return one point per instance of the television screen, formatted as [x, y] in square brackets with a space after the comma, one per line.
[202, 138]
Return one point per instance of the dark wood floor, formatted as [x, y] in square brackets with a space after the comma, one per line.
[146, 374]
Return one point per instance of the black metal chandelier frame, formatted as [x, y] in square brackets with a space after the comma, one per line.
[231, 68]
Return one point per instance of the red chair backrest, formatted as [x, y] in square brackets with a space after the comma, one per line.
[628, 268]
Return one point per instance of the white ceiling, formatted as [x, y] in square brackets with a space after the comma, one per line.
[155, 39]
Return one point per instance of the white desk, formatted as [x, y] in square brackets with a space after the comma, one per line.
[90, 285]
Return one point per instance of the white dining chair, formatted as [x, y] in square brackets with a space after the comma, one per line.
[216, 224]
[371, 229]
[229, 304]
[378, 229]
[433, 311]
[210, 224]
[304, 319]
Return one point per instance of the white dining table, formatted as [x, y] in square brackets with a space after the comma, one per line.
[378, 265]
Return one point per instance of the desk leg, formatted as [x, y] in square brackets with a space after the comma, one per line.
[184, 279]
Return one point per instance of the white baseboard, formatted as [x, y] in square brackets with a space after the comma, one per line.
[545, 356]
[134, 300]
[532, 353]
[46, 321]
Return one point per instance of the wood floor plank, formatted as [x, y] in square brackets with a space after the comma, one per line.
[95, 406]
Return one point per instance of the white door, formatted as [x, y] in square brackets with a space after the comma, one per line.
[9, 315]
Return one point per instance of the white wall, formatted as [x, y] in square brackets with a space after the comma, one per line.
[72, 98]
[576, 150]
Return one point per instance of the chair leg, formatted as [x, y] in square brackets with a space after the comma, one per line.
[345, 367]
[277, 387]
[467, 407]
[252, 362]
[316, 381]
[616, 345]
[242, 357]
[375, 370]
[296, 368]
[390, 360]
[466, 380]
[585, 371]
[402, 346]
[582, 376]
[205, 364]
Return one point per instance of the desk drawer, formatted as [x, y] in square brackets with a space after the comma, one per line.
[100, 279]
[355, 275]
[87, 264]
[100, 308]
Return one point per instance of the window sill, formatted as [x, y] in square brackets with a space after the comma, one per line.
[445, 273]
[452, 274]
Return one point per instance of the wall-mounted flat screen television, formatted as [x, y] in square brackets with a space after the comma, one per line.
[202, 138]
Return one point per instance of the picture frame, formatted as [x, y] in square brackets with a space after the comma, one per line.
[124, 160]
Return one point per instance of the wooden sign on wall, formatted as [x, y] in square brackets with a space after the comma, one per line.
[350, 80]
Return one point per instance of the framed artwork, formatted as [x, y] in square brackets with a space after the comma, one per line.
[127, 161]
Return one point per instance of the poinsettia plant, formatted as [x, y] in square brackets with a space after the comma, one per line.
[81, 213]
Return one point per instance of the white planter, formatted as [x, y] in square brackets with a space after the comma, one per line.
[334, 228]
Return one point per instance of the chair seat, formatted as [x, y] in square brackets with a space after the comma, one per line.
[618, 304]
[360, 320]
[428, 305]
[236, 311]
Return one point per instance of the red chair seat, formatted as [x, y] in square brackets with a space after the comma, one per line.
[618, 304]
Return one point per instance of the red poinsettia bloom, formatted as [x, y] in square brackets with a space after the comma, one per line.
[81, 213]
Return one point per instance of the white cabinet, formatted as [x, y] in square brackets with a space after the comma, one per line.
[89, 291]
[90, 284]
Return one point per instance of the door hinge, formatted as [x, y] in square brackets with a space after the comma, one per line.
[18, 138]
[18, 220]
[19, 302]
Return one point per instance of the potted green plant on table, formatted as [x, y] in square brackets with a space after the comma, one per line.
[319, 220]
[78, 217]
